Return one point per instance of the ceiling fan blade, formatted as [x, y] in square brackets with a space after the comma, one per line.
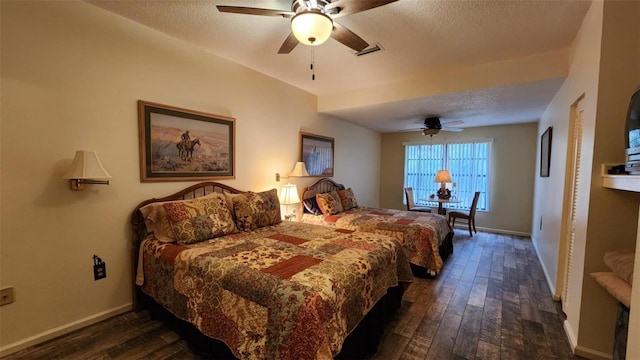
[255, 11]
[348, 37]
[346, 7]
[451, 122]
[288, 45]
[452, 129]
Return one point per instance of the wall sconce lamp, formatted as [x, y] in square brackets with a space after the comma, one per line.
[86, 169]
[289, 196]
[300, 170]
[443, 177]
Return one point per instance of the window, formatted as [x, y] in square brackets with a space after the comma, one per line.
[468, 162]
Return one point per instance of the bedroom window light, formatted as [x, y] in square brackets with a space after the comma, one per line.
[86, 168]
[289, 196]
[468, 162]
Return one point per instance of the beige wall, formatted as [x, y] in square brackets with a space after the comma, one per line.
[619, 77]
[549, 192]
[513, 155]
[71, 76]
[604, 71]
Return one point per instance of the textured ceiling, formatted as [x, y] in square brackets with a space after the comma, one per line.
[421, 39]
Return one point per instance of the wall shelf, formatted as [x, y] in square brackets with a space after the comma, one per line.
[620, 182]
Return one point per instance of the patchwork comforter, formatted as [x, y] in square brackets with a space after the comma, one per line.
[289, 291]
[420, 233]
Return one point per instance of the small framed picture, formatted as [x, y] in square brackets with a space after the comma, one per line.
[316, 151]
[180, 145]
[545, 152]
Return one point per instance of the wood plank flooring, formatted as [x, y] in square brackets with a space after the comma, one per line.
[490, 301]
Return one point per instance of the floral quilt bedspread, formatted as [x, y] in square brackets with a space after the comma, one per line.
[420, 233]
[289, 291]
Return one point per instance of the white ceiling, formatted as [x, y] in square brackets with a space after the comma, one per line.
[483, 62]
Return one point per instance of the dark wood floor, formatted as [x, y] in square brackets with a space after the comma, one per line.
[490, 302]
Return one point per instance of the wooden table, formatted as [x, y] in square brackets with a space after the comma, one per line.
[441, 210]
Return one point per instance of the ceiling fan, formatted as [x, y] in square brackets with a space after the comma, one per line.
[312, 21]
[433, 125]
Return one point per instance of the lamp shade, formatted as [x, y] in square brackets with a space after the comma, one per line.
[299, 170]
[289, 195]
[443, 176]
[86, 165]
[311, 27]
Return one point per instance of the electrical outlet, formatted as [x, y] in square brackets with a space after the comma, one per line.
[99, 268]
[7, 295]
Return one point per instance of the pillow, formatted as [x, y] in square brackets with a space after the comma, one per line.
[156, 222]
[256, 210]
[621, 263]
[228, 198]
[329, 203]
[347, 199]
[311, 206]
[199, 219]
[618, 288]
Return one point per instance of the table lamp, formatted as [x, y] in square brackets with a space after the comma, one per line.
[289, 196]
[443, 177]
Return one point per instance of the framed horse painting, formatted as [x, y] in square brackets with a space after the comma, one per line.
[179, 144]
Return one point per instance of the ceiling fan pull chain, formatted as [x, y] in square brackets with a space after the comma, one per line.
[313, 71]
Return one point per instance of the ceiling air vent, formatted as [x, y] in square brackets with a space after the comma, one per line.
[370, 50]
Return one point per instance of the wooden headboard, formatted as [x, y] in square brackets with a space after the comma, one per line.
[321, 186]
[140, 230]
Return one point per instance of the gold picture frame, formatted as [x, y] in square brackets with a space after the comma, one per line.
[179, 145]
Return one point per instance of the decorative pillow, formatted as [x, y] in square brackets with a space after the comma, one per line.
[156, 222]
[621, 263]
[618, 288]
[256, 210]
[347, 199]
[311, 206]
[228, 198]
[329, 203]
[199, 219]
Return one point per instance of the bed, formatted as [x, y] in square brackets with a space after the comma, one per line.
[428, 238]
[267, 289]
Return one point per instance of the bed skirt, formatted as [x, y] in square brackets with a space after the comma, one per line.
[445, 249]
[361, 342]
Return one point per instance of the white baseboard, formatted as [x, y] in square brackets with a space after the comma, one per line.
[496, 231]
[552, 288]
[580, 350]
[591, 354]
[573, 342]
[62, 330]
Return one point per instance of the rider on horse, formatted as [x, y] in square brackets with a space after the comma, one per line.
[185, 136]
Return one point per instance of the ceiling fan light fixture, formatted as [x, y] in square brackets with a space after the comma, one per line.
[430, 132]
[311, 27]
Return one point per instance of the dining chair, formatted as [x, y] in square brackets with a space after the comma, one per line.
[470, 216]
[411, 205]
